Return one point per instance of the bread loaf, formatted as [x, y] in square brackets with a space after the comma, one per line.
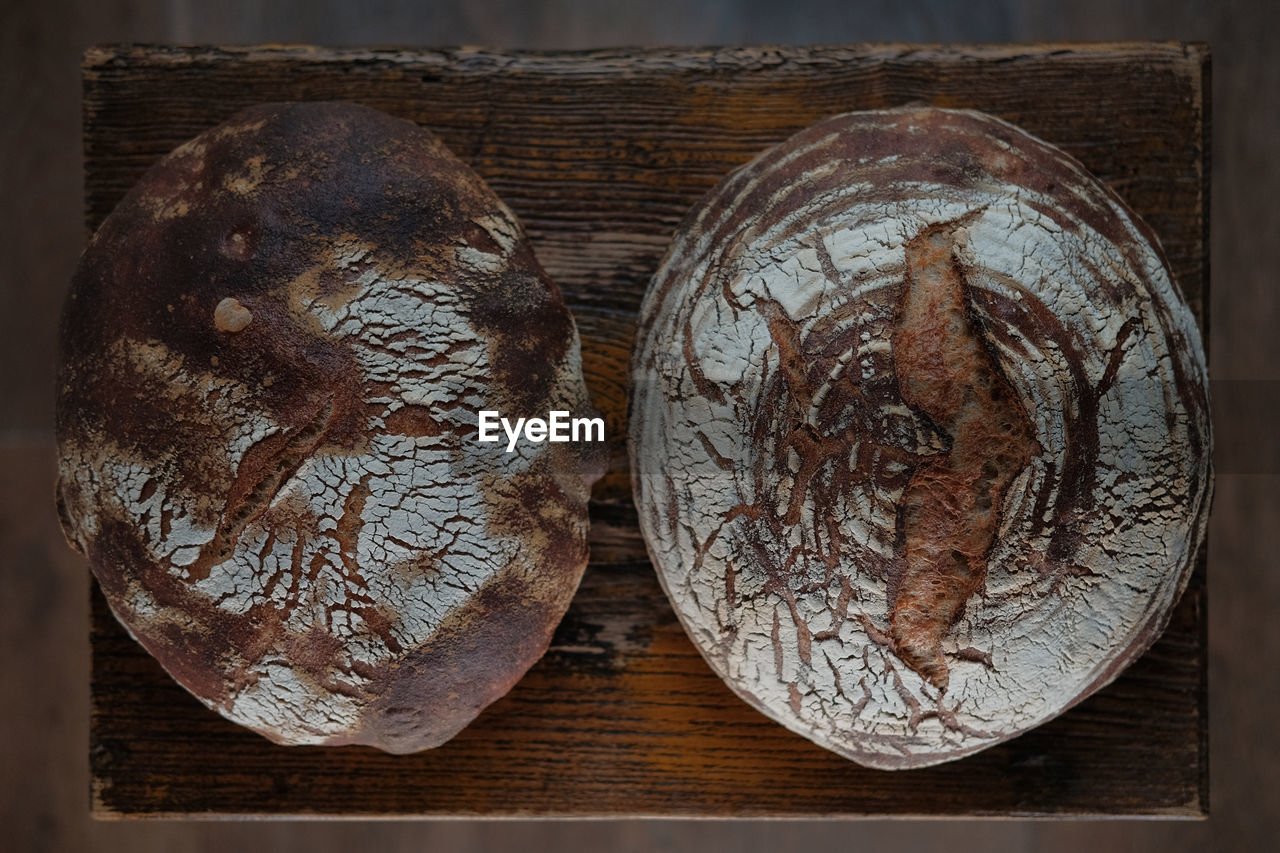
[920, 433]
[272, 358]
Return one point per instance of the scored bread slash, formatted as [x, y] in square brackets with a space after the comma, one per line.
[950, 509]
[271, 360]
[919, 433]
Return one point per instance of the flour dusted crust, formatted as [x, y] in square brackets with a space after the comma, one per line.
[919, 433]
[272, 359]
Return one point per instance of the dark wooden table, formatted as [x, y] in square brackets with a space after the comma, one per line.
[600, 154]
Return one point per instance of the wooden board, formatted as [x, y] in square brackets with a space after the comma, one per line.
[600, 154]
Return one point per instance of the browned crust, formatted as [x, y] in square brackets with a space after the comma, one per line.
[951, 152]
[951, 507]
[206, 261]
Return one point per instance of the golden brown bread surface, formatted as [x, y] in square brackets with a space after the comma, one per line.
[919, 433]
[271, 362]
[950, 508]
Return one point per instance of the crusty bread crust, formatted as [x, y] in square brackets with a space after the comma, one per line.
[919, 432]
[272, 358]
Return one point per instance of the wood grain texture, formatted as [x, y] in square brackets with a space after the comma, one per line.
[600, 154]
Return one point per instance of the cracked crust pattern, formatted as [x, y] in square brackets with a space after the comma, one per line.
[920, 434]
[271, 363]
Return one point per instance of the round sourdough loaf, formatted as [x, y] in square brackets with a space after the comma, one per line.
[272, 360]
[919, 432]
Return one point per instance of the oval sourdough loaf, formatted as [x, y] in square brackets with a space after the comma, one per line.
[272, 359]
[920, 433]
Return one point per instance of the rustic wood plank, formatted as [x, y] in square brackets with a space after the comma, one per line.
[600, 154]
